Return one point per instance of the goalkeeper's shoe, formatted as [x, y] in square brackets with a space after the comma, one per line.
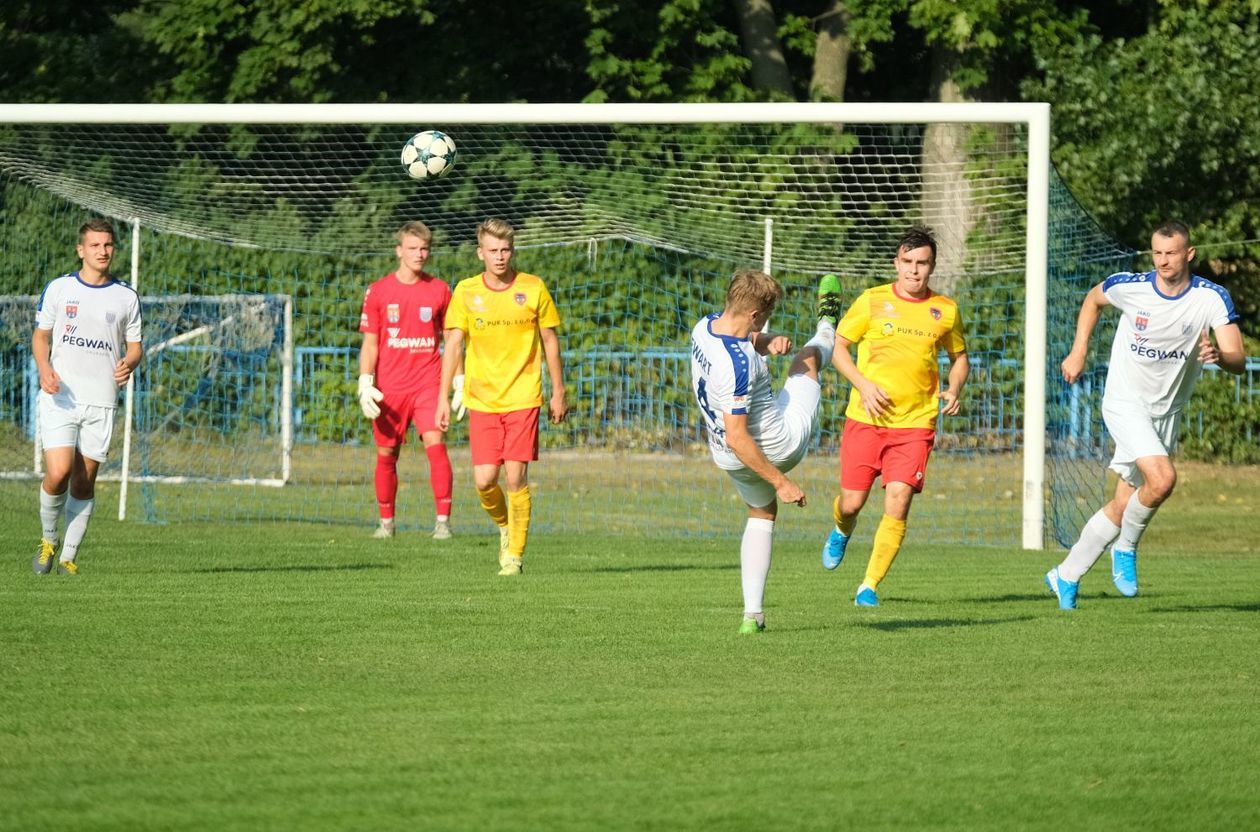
[42, 563]
[511, 566]
[751, 626]
[865, 597]
[833, 549]
[67, 567]
[441, 530]
[504, 540]
[385, 530]
[830, 300]
[1064, 590]
[1124, 572]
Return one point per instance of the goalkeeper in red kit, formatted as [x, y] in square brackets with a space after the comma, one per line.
[400, 373]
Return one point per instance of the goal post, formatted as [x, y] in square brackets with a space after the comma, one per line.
[803, 188]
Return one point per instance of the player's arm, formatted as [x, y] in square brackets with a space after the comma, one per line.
[959, 369]
[128, 363]
[369, 394]
[875, 400]
[555, 368]
[41, 350]
[741, 442]
[1228, 354]
[771, 343]
[1086, 320]
[452, 361]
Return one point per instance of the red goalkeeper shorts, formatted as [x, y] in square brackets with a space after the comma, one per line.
[401, 409]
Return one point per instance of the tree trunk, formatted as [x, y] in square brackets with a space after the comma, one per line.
[831, 54]
[761, 44]
[946, 197]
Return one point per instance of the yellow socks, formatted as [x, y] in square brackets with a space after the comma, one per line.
[518, 524]
[888, 539]
[494, 504]
[845, 527]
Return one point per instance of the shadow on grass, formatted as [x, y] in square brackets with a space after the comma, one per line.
[1252, 607]
[937, 623]
[344, 567]
[665, 567]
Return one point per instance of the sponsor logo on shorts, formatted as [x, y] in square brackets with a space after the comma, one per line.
[392, 313]
[426, 314]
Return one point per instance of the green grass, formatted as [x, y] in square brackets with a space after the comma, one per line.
[305, 677]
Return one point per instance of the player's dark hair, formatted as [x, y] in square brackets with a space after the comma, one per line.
[917, 236]
[415, 228]
[97, 224]
[1173, 228]
[752, 290]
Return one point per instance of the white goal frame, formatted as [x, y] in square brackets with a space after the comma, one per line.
[1036, 117]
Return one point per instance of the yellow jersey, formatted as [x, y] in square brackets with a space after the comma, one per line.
[898, 341]
[503, 354]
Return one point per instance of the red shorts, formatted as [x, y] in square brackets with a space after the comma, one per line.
[894, 454]
[400, 409]
[498, 437]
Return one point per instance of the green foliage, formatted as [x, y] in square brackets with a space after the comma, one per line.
[1222, 421]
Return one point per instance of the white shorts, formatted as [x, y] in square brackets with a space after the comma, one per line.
[1138, 434]
[798, 402]
[87, 427]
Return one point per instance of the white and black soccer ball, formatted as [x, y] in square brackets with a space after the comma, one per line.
[428, 155]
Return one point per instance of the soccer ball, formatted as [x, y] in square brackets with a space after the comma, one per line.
[428, 154]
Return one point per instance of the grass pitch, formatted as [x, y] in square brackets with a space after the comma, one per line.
[306, 677]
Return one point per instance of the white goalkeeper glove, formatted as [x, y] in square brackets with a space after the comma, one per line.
[369, 396]
[457, 398]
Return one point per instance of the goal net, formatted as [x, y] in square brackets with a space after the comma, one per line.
[635, 215]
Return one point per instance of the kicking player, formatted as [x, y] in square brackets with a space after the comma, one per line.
[86, 345]
[890, 423]
[754, 435]
[400, 371]
[507, 322]
[1160, 347]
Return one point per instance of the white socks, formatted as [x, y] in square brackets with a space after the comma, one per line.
[1098, 532]
[50, 510]
[825, 340]
[78, 512]
[1133, 523]
[754, 563]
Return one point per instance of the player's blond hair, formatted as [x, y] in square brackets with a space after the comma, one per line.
[97, 224]
[752, 290]
[496, 227]
[415, 228]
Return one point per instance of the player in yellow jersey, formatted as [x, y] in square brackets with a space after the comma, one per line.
[890, 423]
[506, 322]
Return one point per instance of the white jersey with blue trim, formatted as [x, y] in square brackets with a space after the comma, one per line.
[728, 376]
[91, 326]
[1155, 354]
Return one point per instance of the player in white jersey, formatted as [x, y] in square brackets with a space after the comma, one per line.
[86, 344]
[754, 435]
[1160, 347]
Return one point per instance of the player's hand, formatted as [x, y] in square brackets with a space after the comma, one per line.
[121, 373]
[442, 415]
[790, 492]
[49, 381]
[457, 398]
[875, 401]
[1072, 367]
[557, 409]
[950, 403]
[369, 396]
[779, 345]
[1208, 353]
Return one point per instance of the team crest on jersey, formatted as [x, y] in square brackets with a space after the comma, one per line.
[476, 301]
[1141, 322]
[426, 314]
[72, 310]
[936, 313]
[519, 297]
[392, 313]
[110, 317]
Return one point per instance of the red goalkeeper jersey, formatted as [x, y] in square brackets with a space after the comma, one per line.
[408, 320]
